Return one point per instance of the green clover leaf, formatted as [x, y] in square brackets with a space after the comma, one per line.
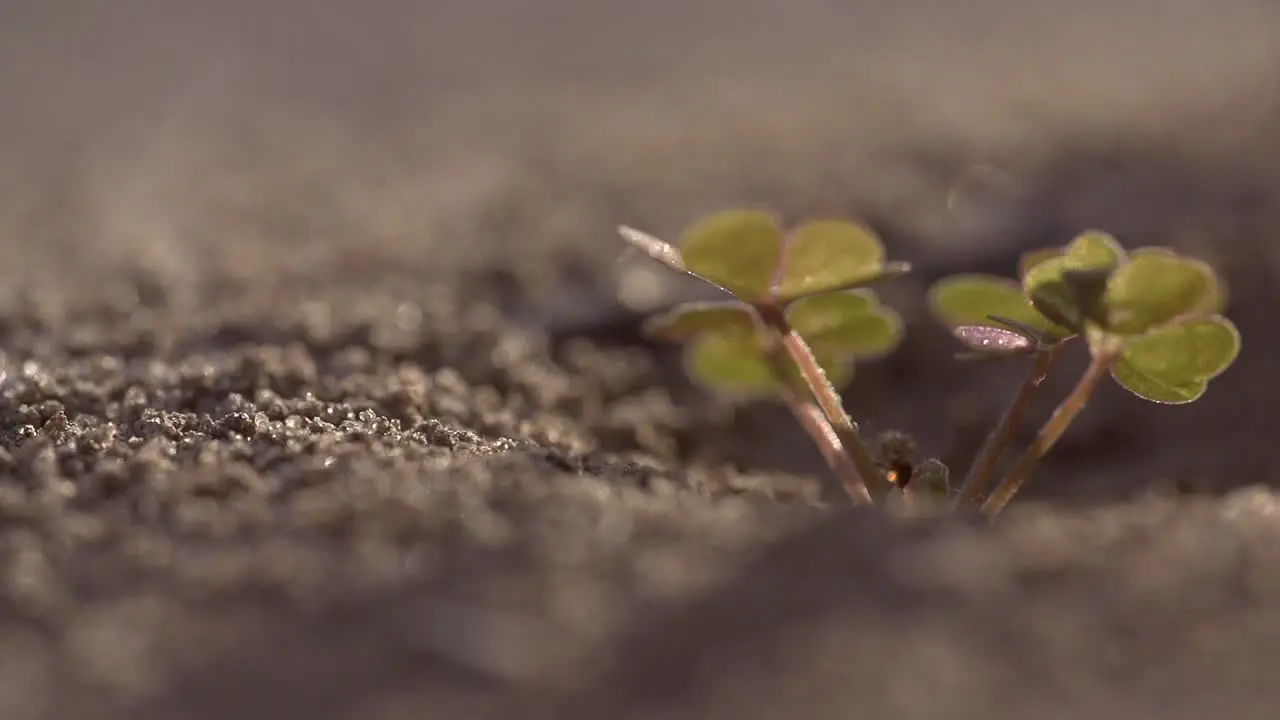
[726, 349]
[1050, 294]
[736, 364]
[687, 321]
[1174, 363]
[973, 299]
[1068, 288]
[738, 250]
[1094, 249]
[746, 253]
[851, 323]
[1154, 389]
[1157, 286]
[1033, 258]
[827, 255]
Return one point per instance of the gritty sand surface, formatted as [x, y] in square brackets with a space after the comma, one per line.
[325, 397]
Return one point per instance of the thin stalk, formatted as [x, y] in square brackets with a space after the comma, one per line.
[828, 400]
[984, 464]
[814, 422]
[820, 388]
[1052, 431]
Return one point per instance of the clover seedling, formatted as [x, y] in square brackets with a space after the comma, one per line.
[1151, 319]
[798, 318]
[994, 317]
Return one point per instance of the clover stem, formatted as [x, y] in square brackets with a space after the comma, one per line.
[814, 421]
[1051, 432]
[984, 464]
[827, 398]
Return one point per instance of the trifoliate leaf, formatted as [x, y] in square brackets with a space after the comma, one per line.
[738, 250]
[850, 324]
[838, 327]
[971, 299]
[1068, 287]
[1194, 348]
[1158, 285]
[828, 255]
[736, 364]
[691, 319]
[1154, 389]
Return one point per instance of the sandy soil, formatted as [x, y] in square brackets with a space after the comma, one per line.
[325, 397]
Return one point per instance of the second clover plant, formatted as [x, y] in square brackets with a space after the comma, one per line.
[1151, 319]
[799, 315]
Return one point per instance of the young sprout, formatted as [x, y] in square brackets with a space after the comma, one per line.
[932, 477]
[1151, 319]
[928, 478]
[994, 317]
[798, 319]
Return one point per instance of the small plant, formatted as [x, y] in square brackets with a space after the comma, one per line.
[798, 318]
[1151, 319]
[799, 315]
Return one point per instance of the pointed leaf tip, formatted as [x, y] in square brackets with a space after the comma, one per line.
[653, 247]
[827, 255]
[738, 250]
[990, 340]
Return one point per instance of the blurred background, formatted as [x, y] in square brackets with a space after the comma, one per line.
[288, 150]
